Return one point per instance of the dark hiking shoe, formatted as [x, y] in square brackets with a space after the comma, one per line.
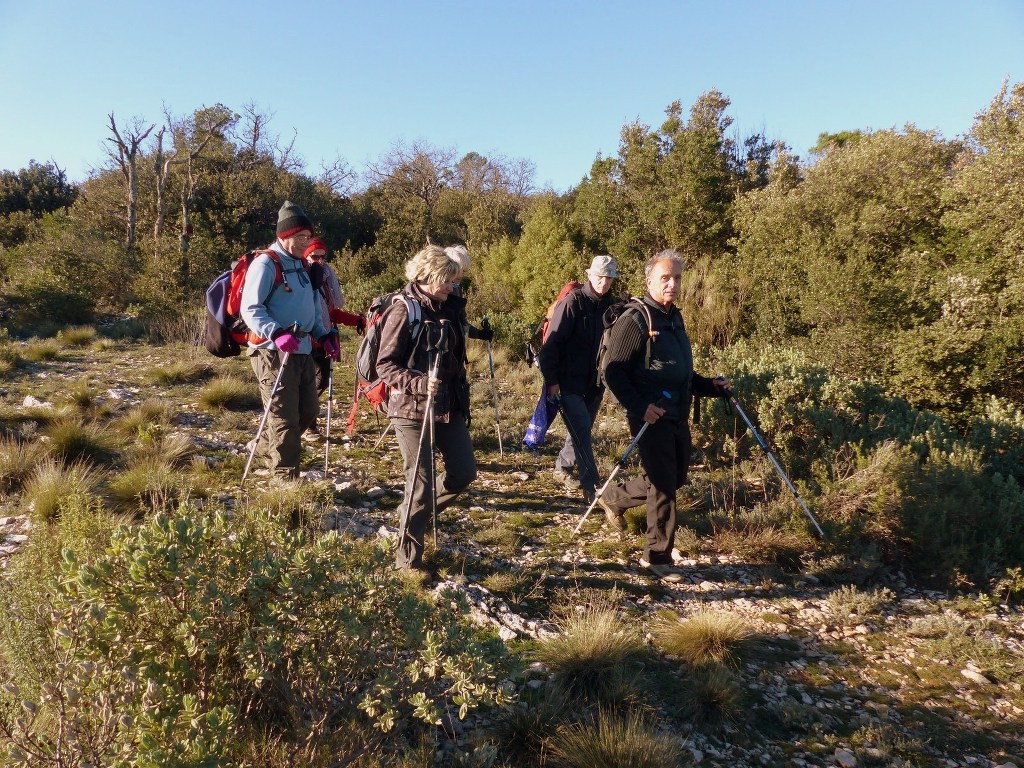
[565, 479]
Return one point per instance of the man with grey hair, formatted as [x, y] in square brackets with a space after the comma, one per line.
[568, 362]
[649, 356]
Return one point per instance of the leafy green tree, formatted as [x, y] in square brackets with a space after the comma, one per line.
[671, 187]
[827, 141]
[849, 253]
[527, 273]
[28, 194]
[985, 226]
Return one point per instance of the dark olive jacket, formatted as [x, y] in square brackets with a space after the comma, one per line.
[404, 363]
[636, 383]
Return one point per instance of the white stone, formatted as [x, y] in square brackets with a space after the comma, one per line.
[845, 758]
[375, 493]
[975, 677]
[30, 402]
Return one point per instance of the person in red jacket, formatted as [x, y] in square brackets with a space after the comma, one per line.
[332, 301]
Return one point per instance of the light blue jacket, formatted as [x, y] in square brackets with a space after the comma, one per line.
[266, 308]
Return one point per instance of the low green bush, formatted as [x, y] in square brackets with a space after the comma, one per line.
[205, 634]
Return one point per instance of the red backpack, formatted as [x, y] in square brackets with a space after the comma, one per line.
[543, 328]
[226, 332]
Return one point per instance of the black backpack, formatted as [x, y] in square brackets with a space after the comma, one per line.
[633, 308]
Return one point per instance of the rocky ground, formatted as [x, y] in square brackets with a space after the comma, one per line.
[881, 674]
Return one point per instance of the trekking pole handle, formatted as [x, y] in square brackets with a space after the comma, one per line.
[442, 339]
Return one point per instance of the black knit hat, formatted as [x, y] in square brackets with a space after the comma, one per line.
[291, 219]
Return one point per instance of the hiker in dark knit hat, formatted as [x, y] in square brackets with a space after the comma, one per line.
[282, 311]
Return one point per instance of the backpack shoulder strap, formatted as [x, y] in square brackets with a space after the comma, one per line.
[414, 316]
[637, 307]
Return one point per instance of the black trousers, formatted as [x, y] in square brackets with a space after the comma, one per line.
[664, 455]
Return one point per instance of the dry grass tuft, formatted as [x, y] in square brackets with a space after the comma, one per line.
[226, 392]
[40, 350]
[72, 440]
[181, 372]
[762, 545]
[615, 741]
[592, 653]
[713, 697]
[54, 487]
[18, 459]
[146, 419]
[149, 484]
[707, 637]
[77, 336]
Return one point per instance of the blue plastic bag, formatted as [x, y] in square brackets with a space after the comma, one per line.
[543, 415]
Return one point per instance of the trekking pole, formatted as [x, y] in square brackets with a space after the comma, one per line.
[775, 462]
[383, 434]
[439, 350]
[621, 463]
[576, 440]
[403, 531]
[494, 389]
[270, 402]
[330, 396]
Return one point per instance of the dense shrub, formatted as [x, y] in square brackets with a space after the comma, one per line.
[885, 476]
[200, 633]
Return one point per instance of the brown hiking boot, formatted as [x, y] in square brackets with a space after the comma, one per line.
[663, 572]
[615, 519]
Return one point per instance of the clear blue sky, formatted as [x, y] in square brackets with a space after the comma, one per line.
[553, 82]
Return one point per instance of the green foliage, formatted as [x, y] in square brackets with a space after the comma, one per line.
[670, 187]
[202, 633]
[29, 194]
[888, 478]
[853, 605]
[528, 273]
[27, 653]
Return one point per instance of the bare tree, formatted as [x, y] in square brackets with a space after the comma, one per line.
[257, 145]
[190, 139]
[125, 153]
[337, 176]
[418, 171]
